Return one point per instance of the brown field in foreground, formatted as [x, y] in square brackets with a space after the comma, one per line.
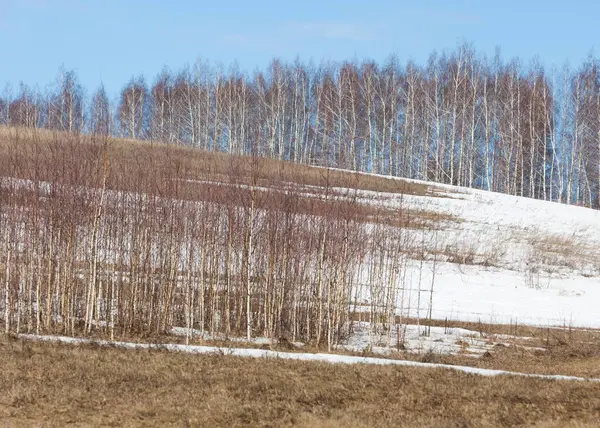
[56, 385]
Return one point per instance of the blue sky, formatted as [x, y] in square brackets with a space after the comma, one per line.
[109, 41]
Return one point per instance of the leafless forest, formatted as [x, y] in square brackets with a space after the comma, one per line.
[102, 233]
[130, 239]
[462, 118]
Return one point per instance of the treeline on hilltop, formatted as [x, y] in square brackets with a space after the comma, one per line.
[462, 118]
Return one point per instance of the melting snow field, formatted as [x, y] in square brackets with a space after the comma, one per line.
[416, 339]
[329, 358]
[422, 339]
[503, 296]
[502, 260]
[500, 296]
[515, 261]
[529, 261]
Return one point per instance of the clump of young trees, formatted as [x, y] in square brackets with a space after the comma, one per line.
[91, 243]
[462, 118]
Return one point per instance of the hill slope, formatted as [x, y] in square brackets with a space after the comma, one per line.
[505, 258]
[420, 249]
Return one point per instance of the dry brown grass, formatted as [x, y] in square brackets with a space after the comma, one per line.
[535, 350]
[563, 333]
[197, 163]
[550, 251]
[547, 351]
[56, 385]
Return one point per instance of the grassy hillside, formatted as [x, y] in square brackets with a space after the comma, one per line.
[127, 156]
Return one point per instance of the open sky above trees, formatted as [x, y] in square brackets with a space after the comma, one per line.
[113, 40]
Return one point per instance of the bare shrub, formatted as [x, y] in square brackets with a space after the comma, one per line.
[108, 237]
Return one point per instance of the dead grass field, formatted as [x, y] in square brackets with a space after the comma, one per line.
[57, 385]
[535, 350]
[569, 352]
[195, 163]
[565, 351]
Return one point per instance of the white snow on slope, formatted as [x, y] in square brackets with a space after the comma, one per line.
[500, 296]
[329, 358]
[535, 262]
[532, 261]
[422, 339]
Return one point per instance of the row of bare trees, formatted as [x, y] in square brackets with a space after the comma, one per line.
[91, 243]
[462, 118]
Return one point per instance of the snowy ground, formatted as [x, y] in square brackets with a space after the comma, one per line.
[500, 296]
[423, 339]
[516, 261]
[417, 339]
[505, 260]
